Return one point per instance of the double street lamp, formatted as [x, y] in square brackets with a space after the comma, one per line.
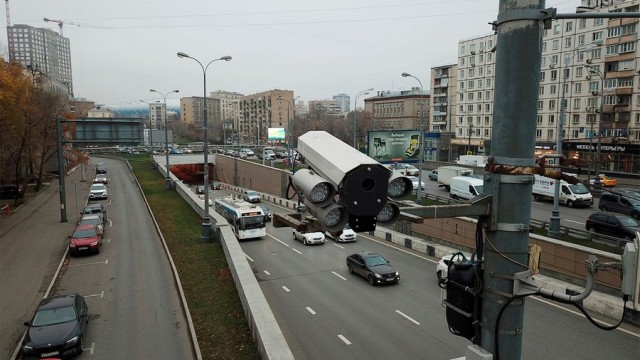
[355, 114]
[420, 140]
[167, 180]
[206, 220]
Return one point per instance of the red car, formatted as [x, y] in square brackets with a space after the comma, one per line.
[84, 239]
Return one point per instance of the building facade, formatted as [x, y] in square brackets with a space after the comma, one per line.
[319, 109]
[42, 50]
[345, 102]
[399, 110]
[443, 97]
[192, 111]
[261, 111]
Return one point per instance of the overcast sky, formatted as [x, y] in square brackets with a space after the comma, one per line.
[122, 48]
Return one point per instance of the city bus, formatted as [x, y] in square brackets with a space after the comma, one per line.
[246, 220]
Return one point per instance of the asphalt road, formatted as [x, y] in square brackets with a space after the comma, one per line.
[134, 306]
[325, 312]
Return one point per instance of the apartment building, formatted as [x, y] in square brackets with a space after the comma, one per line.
[443, 97]
[42, 51]
[157, 113]
[345, 102]
[399, 109]
[192, 111]
[261, 111]
[319, 109]
[590, 63]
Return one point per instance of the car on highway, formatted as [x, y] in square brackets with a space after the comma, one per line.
[200, 189]
[373, 267]
[623, 202]
[98, 191]
[613, 224]
[85, 238]
[93, 219]
[251, 196]
[266, 211]
[309, 238]
[101, 179]
[95, 208]
[57, 328]
[101, 168]
[216, 185]
[405, 169]
[245, 152]
[433, 175]
[442, 267]
[414, 181]
[605, 181]
[347, 235]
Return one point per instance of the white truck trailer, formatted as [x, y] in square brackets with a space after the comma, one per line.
[445, 173]
[571, 195]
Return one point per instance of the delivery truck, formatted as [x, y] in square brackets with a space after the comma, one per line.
[571, 195]
[466, 187]
[445, 173]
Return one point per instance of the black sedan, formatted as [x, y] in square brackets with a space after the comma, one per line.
[373, 267]
[613, 224]
[95, 208]
[57, 328]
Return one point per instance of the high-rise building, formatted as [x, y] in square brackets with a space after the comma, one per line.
[344, 100]
[43, 51]
[261, 111]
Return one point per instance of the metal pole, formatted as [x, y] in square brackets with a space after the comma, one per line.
[206, 219]
[597, 182]
[167, 180]
[420, 140]
[61, 172]
[516, 98]
[355, 115]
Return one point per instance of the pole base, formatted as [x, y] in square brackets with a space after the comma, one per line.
[168, 183]
[206, 229]
[554, 224]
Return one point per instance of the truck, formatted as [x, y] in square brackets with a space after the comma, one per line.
[466, 187]
[570, 195]
[445, 173]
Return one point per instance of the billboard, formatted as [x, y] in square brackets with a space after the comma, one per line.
[275, 134]
[389, 146]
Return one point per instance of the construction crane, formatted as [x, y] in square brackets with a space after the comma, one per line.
[60, 23]
[6, 6]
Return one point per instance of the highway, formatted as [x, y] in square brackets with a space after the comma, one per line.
[325, 312]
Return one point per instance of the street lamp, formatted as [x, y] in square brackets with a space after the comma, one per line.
[595, 71]
[470, 133]
[355, 114]
[420, 140]
[554, 219]
[290, 142]
[167, 180]
[206, 220]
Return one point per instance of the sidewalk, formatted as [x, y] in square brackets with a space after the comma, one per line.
[32, 244]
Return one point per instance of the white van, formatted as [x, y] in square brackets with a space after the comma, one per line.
[465, 187]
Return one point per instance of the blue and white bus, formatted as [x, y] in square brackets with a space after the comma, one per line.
[246, 220]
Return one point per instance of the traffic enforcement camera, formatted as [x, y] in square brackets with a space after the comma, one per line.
[343, 185]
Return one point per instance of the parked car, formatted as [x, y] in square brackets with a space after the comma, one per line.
[101, 179]
[251, 196]
[433, 175]
[613, 224]
[405, 169]
[246, 152]
[95, 208]
[347, 235]
[605, 181]
[57, 328]
[93, 219]
[101, 168]
[98, 191]
[200, 189]
[414, 181]
[216, 185]
[309, 238]
[85, 238]
[175, 152]
[266, 211]
[623, 202]
[267, 154]
[373, 267]
[11, 191]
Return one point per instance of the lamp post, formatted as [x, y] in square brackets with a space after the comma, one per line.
[206, 220]
[595, 71]
[470, 132]
[290, 141]
[355, 114]
[167, 180]
[554, 219]
[420, 140]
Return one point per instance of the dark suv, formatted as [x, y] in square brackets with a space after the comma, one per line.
[613, 224]
[623, 203]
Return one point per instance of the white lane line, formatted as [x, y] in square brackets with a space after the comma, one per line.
[573, 221]
[340, 246]
[91, 263]
[310, 310]
[93, 348]
[344, 339]
[407, 317]
[278, 240]
[94, 295]
[338, 275]
[249, 258]
[286, 288]
[266, 272]
[296, 250]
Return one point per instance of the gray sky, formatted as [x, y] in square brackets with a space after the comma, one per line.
[122, 48]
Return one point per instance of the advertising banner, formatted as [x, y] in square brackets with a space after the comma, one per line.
[389, 146]
[275, 134]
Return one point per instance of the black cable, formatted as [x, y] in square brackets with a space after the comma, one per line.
[599, 325]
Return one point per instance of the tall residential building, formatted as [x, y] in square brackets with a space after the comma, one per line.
[399, 110]
[157, 115]
[191, 111]
[443, 97]
[320, 108]
[344, 100]
[261, 111]
[43, 51]
[229, 109]
[593, 64]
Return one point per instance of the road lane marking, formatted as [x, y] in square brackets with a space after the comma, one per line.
[338, 275]
[340, 246]
[93, 348]
[249, 258]
[278, 240]
[310, 310]
[266, 272]
[407, 317]
[573, 221]
[91, 263]
[286, 288]
[296, 250]
[344, 339]
[94, 295]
